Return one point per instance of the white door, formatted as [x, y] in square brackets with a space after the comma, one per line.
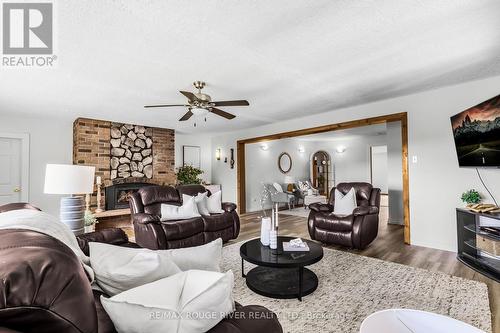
[10, 170]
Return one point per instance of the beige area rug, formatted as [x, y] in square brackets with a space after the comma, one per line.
[351, 287]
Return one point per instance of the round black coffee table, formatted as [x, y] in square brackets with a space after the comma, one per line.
[280, 275]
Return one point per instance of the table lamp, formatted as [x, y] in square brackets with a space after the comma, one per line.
[73, 180]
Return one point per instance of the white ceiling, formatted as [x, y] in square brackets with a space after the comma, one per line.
[287, 58]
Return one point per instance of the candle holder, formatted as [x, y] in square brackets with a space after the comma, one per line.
[99, 199]
[273, 233]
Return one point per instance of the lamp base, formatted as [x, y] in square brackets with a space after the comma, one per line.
[72, 214]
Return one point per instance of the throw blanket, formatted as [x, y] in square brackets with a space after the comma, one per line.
[47, 224]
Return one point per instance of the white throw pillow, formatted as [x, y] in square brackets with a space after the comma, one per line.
[345, 204]
[188, 210]
[207, 257]
[214, 203]
[188, 302]
[119, 268]
[201, 202]
[303, 186]
[278, 187]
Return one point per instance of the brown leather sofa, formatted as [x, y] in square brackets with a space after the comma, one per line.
[357, 230]
[44, 289]
[154, 234]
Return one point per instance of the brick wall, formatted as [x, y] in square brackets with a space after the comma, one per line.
[91, 146]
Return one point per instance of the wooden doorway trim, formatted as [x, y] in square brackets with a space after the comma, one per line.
[402, 117]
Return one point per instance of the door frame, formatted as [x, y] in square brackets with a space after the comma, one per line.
[402, 117]
[25, 161]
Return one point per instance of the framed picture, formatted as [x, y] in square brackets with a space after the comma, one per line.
[191, 155]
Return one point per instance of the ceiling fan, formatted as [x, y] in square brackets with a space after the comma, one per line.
[200, 104]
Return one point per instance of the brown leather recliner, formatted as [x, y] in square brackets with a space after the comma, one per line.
[154, 234]
[357, 230]
[44, 289]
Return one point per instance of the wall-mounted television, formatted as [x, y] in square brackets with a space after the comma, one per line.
[477, 134]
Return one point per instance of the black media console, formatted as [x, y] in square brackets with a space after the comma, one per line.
[479, 242]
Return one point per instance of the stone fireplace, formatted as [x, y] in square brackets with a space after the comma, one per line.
[114, 149]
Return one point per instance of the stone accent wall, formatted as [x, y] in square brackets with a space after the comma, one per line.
[131, 151]
[92, 146]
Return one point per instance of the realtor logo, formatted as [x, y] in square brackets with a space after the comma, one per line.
[27, 28]
[28, 35]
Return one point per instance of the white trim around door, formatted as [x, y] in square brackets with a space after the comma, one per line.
[25, 161]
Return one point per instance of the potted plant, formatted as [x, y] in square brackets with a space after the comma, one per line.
[265, 227]
[265, 196]
[471, 197]
[188, 175]
[90, 222]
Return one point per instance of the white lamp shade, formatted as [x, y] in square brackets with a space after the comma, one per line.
[289, 180]
[69, 179]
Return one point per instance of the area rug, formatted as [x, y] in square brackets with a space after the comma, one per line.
[351, 287]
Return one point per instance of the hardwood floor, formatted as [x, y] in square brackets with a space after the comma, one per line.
[388, 246]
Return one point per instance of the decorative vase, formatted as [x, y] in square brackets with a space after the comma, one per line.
[265, 228]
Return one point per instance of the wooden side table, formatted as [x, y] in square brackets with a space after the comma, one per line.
[116, 218]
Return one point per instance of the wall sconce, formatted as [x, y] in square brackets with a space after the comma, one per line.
[264, 146]
[340, 149]
[217, 154]
[302, 150]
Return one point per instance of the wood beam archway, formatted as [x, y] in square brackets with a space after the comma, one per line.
[402, 117]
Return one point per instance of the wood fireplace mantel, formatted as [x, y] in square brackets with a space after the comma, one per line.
[112, 213]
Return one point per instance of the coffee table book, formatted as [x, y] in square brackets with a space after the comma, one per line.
[288, 248]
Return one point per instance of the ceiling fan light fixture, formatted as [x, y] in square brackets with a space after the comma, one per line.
[199, 112]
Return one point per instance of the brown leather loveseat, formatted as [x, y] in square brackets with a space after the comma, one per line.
[357, 230]
[44, 289]
[154, 234]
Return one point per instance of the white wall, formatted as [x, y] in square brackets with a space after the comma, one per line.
[51, 141]
[353, 165]
[379, 170]
[436, 181]
[207, 155]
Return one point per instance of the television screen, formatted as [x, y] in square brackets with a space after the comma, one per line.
[477, 134]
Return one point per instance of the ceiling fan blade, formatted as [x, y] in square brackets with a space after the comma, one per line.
[163, 106]
[186, 116]
[190, 96]
[221, 113]
[231, 103]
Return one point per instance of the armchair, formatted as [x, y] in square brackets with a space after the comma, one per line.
[357, 230]
[280, 196]
[302, 188]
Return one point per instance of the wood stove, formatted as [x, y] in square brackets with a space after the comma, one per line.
[117, 195]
